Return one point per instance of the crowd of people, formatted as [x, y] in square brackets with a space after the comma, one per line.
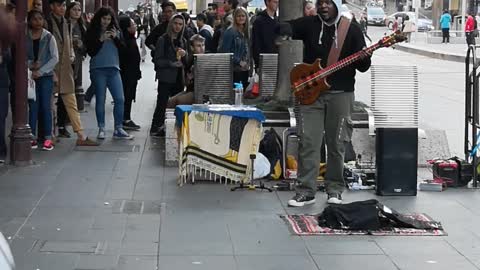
[117, 44]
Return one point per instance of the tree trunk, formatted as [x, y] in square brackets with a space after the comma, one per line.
[290, 51]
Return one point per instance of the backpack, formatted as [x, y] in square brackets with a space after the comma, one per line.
[271, 147]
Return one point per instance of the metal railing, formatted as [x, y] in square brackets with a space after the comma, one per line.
[471, 140]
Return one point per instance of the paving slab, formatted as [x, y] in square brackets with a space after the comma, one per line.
[352, 262]
[275, 262]
[196, 262]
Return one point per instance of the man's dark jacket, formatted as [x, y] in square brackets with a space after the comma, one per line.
[156, 33]
[263, 36]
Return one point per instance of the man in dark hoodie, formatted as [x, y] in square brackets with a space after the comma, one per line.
[331, 112]
[263, 31]
[170, 59]
[168, 10]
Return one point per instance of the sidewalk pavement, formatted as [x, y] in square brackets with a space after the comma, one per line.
[419, 45]
[118, 207]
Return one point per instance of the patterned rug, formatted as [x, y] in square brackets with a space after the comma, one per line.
[307, 225]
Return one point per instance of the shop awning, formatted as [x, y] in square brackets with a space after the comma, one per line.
[181, 4]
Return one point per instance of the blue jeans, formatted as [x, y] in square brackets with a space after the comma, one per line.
[101, 79]
[42, 106]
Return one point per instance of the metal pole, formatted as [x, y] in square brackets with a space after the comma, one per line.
[475, 120]
[20, 146]
[417, 7]
[468, 103]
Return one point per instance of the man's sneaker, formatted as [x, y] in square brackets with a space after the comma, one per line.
[301, 200]
[159, 134]
[48, 145]
[101, 134]
[63, 132]
[121, 134]
[130, 125]
[34, 144]
[334, 198]
[153, 130]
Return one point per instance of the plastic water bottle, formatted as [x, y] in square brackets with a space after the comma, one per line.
[238, 89]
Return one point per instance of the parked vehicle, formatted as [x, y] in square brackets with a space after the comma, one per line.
[424, 23]
[375, 16]
[6, 258]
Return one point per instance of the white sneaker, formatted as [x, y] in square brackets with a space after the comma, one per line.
[300, 200]
[101, 134]
[334, 198]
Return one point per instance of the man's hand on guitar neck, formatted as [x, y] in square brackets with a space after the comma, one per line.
[365, 53]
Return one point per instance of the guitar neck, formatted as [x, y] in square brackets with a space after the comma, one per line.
[348, 60]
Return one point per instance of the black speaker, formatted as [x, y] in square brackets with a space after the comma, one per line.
[396, 161]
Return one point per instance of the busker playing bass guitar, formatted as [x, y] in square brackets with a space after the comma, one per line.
[330, 37]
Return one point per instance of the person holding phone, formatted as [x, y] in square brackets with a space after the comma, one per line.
[103, 45]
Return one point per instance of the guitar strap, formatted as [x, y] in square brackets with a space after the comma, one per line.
[342, 31]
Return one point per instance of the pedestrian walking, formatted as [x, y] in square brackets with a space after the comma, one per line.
[408, 28]
[103, 43]
[143, 25]
[364, 26]
[129, 69]
[445, 21]
[42, 55]
[470, 30]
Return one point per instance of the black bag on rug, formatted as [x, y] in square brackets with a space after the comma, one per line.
[369, 215]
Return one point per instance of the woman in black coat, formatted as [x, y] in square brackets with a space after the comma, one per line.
[129, 68]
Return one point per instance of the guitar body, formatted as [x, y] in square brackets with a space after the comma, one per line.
[308, 82]
[309, 92]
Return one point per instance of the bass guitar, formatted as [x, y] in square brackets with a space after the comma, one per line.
[309, 81]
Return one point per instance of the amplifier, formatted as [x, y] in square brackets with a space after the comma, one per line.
[396, 161]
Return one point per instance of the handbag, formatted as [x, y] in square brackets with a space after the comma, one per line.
[32, 94]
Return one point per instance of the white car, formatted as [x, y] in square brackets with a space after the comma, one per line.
[6, 257]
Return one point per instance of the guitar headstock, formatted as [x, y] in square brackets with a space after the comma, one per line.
[392, 39]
